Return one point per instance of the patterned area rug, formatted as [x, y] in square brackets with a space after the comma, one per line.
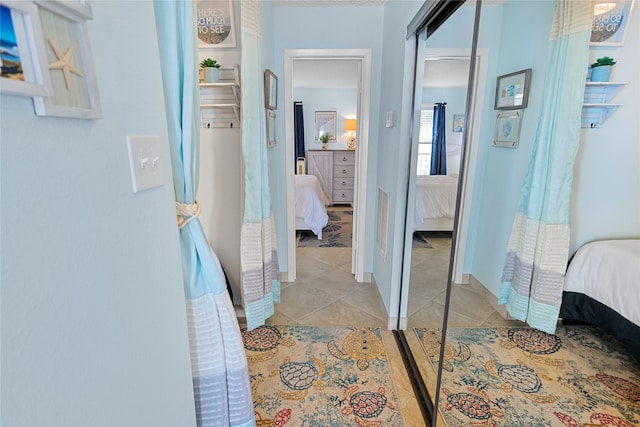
[320, 376]
[336, 234]
[525, 377]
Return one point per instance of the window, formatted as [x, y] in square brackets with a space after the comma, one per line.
[424, 141]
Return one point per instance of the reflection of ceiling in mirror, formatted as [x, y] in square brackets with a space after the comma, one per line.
[325, 73]
[315, 3]
[446, 72]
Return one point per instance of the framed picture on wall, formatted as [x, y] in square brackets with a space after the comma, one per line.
[610, 22]
[70, 63]
[326, 124]
[271, 129]
[24, 62]
[512, 90]
[215, 23]
[458, 123]
[270, 90]
[507, 129]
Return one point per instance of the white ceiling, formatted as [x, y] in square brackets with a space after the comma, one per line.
[446, 72]
[317, 3]
[329, 73]
[343, 73]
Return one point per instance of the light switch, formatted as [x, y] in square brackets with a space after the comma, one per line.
[389, 121]
[146, 164]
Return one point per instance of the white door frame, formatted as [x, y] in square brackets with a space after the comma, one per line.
[360, 193]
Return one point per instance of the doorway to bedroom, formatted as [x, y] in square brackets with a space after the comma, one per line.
[339, 112]
[326, 92]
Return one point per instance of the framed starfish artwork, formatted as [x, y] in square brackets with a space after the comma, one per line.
[69, 61]
[23, 68]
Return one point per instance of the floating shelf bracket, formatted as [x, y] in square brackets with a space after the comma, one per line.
[596, 108]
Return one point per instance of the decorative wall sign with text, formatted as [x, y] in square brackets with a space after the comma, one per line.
[215, 23]
[610, 22]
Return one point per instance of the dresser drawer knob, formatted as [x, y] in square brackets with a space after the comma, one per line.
[344, 184]
[344, 196]
[344, 159]
[344, 171]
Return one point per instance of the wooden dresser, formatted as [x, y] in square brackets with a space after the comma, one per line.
[336, 171]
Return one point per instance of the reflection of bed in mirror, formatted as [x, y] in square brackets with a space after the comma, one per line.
[311, 205]
[601, 288]
[435, 202]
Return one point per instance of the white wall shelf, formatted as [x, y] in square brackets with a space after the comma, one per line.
[220, 102]
[596, 108]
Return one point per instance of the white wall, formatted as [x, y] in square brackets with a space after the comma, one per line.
[606, 189]
[324, 28]
[221, 186]
[341, 100]
[456, 99]
[93, 317]
[391, 169]
[522, 26]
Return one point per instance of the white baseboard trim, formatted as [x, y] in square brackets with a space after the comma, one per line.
[284, 277]
[489, 297]
[392, 323]
[240, 314]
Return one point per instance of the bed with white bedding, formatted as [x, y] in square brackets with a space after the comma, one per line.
[435, 202]
[311, 204]
[602, 287]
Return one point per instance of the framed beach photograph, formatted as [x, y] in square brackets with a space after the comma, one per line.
[270, 90]
[69, 61]
[458, 123]
[271, 129]
[326, 124]
[507, 129]
[610, 22]
[23, 60]
[215, 23]
[512, 90]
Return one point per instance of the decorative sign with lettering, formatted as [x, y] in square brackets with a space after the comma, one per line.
[610, 19]
[215, 23]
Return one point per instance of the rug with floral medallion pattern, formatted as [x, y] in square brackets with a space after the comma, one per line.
[336, 234]
[320, 376]
[525, 377]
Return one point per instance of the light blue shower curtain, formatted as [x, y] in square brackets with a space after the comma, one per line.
[536, 261]
[260, 270]
[219, 368]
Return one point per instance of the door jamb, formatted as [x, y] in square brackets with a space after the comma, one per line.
[360, 193]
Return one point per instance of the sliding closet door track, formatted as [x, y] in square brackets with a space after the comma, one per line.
[419, 388]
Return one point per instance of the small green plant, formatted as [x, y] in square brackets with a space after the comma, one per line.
[209, 63]
[605, 60]
[325, 138]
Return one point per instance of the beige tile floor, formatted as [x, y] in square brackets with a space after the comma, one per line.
[326, 293]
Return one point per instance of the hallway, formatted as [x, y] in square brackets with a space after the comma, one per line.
[325, 293]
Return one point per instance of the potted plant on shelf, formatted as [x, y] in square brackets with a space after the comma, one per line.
[601, 69]
[211, 70]
[324, 138]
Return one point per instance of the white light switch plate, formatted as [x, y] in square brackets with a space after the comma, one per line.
[147, 170]
[389, 121]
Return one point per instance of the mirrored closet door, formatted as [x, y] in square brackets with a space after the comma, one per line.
[435, 193]
[491, 37]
